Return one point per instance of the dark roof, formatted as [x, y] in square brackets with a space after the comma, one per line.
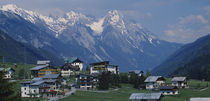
[167, 87]
[26, 82]
[74, 59]
[100, 63]
[49, 81]
[178, 79]
[85, 75]
[68, 66]
[145, 96]
[51, 76]
[39, 67]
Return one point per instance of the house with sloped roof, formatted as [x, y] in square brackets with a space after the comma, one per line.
[68, 69]
[8, 72]
[168, 90]
[46, 86]
[75, 61]
[86, 81]
[153, 82]
[137, 72]
[41, 70]
[99, 67]
[180, 82]
[145, 97]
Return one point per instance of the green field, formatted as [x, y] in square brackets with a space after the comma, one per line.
[123, 93]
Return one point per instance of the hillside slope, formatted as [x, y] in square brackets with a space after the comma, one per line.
[17, 52]
[184, 55]
[198, 68]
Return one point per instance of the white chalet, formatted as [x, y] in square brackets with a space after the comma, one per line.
[41, 87]
[153, 82]
[98, 67]
[8, 72]
[75, 61]
[68, 69]
[180, 82]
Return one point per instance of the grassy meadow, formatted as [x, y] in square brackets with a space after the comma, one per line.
[123, 93]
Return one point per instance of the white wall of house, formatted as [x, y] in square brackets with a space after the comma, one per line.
[93, 71]
[169, 92]
[8, 74]
[160, 82]
[181, 84]
[150, 85]
[25, 90]
[78, 64]
[35, 90]
[113, 70]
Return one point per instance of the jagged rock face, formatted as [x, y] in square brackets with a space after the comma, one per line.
[111, 37]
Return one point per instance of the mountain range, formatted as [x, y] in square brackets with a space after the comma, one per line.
[111, 37]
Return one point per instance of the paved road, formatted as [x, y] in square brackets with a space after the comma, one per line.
[73, 90]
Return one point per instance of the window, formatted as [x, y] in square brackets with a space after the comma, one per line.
[25, 88]
[25, 93]
[34, 91]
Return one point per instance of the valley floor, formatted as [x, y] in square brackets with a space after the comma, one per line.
[197, 89]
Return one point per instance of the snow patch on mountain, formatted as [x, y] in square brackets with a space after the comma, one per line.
[97, 27]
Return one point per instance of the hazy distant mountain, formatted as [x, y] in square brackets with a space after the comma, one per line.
[191, 57]
[17, 52]
[111, 37]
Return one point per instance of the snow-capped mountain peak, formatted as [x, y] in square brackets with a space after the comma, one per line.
[10, 7]
[115, 19]
[26, 14]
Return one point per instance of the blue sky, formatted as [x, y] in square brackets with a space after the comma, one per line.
[180, 21]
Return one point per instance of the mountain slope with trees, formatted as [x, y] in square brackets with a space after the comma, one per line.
[186, 55]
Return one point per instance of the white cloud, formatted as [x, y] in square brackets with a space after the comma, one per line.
[188, 29]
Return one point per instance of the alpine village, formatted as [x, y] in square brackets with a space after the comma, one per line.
[76, 58]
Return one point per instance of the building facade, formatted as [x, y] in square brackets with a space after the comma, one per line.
[99, 67]
[75, 61]
[8, 72]
[169, 90]
[68, 69]
[180, 82]
[86, 81]
[40, 71]
[153, 82]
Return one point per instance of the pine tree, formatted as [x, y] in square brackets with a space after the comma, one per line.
[148, 73]
[104, 80]
[7, 92]
[87, 70]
